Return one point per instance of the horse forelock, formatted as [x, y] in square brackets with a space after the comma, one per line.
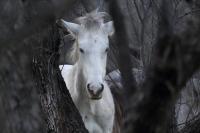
[92, 20]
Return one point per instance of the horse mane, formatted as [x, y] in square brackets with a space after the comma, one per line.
[92, 20]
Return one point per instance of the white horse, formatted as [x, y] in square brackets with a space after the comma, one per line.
[85, 79]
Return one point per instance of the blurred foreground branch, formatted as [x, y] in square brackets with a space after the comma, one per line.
[21, 18]
[175, 61]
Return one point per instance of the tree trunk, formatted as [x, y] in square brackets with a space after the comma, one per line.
[61, 114]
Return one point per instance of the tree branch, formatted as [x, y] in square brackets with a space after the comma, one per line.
[193, 126]
[22, 18]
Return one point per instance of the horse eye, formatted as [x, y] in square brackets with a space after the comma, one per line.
[81, 50]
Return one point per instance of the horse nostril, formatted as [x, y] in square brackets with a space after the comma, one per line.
[95, 91]
[102, 87]
[89, 89]
[88, 86]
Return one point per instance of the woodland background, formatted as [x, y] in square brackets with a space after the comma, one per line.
[158, 38]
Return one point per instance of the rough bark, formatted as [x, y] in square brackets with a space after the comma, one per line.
[20, 109]
[61, 114]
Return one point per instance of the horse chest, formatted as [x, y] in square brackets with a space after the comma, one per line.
[97, 119]
[91, 123]
[97, 115]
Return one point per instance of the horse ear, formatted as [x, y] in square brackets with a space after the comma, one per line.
[109, 28]
[71, 27]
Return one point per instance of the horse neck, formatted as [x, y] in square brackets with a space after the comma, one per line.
[79, 90]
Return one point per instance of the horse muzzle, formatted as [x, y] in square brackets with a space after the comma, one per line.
[95, 92]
